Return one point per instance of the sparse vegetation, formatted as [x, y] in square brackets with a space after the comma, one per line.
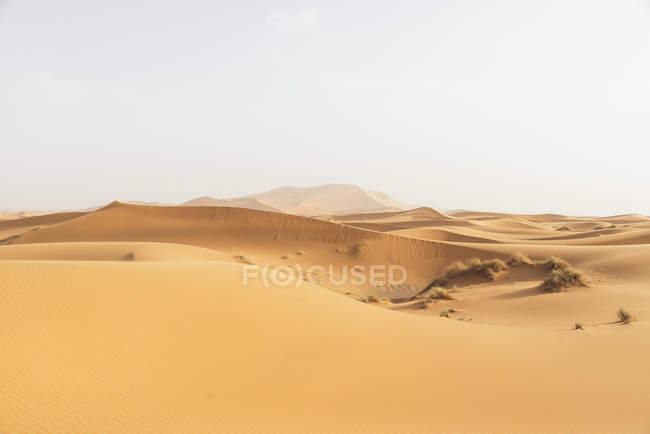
[563, 228]
[624, 316]
[559, 280]
[447, 312]
[440, 294]
[554, 263]
[518, 259]
[242, 259]
[474, 267]
[578, 326]
[128, 257]
[372, 299]
[562, 275]
[357, 249]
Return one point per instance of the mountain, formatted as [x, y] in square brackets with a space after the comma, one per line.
[329, 199]
[240, 202]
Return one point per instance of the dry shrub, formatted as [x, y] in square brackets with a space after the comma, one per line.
[624, 316]
[372, 299]
[518, 259]
[474, 267]
[358, 249]
[562, 275]
[489, 269]
[128, 257]
[440, 294]
[446, 312]
[242, 259]
[554, 263]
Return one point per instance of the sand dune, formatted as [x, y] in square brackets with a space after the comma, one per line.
[261, 236]
[136, 319]
[110, 251]
[416, 214]
[144, 347]
[33, 221]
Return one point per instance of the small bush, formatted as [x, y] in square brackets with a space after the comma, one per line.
[440, 294]
[518, 259]
[455, 270]
[578, 326]
[446, 312]
[554, 263]
[475, 266]
[624, 316]
[562, 275]
[372, 299]
[561, 279]
[563, 228]
[242, 259]
[128, 257]
[490, 268]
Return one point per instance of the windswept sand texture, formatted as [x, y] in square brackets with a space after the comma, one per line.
[135, 319]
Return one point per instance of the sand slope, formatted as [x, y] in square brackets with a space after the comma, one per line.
[148, 347]
[136, 319]
[264, 238]
[110, 251]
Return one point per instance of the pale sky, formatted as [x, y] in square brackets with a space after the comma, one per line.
[506, 105]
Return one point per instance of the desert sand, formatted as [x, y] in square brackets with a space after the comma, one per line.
[135, 318]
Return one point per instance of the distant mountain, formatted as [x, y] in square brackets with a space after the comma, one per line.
[241, 202]
[329, 199]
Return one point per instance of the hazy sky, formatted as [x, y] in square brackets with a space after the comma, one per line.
[505, 105]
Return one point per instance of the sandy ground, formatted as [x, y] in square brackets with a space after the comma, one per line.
[135, 319]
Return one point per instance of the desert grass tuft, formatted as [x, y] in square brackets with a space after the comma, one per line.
[624, 316]
[554, 263]
[518, 259]
[242, 259]
[561, 276]
[473, 267]
[562, 279]
[447, 312]
[578, 326]
[438, 293]
[372, 299]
